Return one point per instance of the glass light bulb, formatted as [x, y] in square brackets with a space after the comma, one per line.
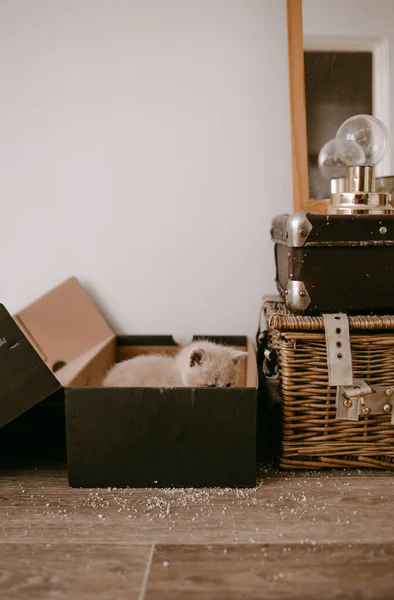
[330, 165]
[362, 141]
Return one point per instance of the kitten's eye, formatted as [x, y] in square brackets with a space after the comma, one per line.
[213, 385]
[228, 385]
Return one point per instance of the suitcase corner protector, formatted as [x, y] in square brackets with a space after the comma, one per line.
[297, 297]
[298, 228]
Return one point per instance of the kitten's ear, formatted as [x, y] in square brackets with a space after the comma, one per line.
[196, 356]
[238, 355]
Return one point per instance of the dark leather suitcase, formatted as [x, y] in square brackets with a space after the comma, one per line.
[332, 263]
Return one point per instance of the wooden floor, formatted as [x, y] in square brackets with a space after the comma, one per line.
[305, 536]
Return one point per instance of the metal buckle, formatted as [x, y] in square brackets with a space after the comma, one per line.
[358, 396]
[354, 404]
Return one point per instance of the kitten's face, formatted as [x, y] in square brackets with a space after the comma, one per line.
[214, 366]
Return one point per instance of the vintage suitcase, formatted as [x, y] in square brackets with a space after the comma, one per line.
[333, 262]
[320, 428]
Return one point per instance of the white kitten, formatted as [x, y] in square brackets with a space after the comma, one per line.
[200, 364]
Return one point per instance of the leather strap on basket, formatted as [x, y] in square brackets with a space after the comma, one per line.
[339, 357]
[354, 398]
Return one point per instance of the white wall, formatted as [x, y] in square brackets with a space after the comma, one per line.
[144, 148]
[372, 20]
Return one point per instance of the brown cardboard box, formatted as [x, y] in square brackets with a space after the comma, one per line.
[122, 437]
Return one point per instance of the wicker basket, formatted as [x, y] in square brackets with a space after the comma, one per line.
[312, 438]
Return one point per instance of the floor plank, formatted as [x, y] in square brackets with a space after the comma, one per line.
[81, 572]
[272, 572]
[296, 535]
[284, 508]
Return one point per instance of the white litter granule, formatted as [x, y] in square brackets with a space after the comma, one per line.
[166, 563]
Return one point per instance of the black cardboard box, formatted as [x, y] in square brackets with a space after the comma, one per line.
[120, 437]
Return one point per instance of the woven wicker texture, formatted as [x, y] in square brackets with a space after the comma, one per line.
[312, 438]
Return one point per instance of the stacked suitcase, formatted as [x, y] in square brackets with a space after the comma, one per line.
[326, 342]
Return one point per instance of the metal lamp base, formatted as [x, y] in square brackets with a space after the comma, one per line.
[360, 203]
[360, 197]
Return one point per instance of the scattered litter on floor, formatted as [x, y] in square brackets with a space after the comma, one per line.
[287, 499]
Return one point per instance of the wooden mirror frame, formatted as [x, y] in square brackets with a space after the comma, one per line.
[299, 146]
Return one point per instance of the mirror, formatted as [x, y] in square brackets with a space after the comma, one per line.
[339, 66]
[338, 85]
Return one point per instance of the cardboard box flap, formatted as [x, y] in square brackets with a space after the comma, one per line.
[252, 376]
[63, 324]
[82, 371]
[25, 378]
